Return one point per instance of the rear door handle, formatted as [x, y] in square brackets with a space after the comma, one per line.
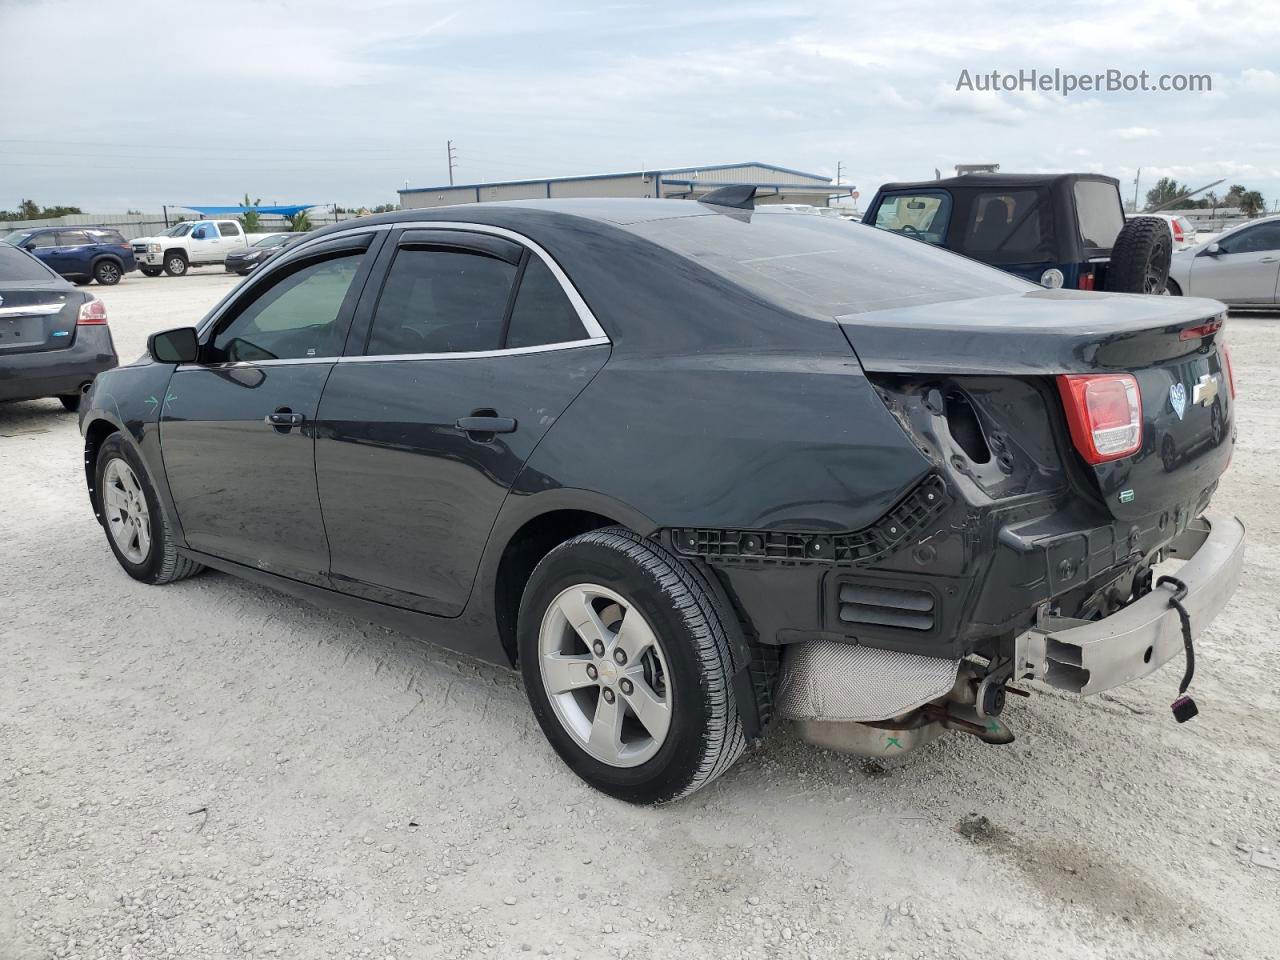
[1269, 259]
[485, 425]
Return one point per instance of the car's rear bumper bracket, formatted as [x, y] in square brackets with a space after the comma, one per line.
[1085, 657]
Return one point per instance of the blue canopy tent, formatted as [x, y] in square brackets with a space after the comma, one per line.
[207, 210]
[214, 211]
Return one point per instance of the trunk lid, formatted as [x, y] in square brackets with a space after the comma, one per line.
[1171, 345]
[34, 318]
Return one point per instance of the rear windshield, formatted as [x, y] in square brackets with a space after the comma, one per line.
[20, 267]
[826, 267]
[1100, 214]
[1008, 226]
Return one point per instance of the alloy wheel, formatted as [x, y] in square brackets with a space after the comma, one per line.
[125, 504]
[605, 674]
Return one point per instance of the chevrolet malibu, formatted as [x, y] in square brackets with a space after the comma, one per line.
[691, 469]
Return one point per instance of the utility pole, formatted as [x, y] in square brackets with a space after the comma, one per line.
[452, 157]
[1136, 177]
[839, 166]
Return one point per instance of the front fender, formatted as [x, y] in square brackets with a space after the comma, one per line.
[129, 400]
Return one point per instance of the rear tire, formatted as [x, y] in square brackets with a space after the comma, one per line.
[1172, 288]
[107, 272]
[71, 401]
[685, 670]
[1140, 257]
[133, 518]
[175, 264]
[150, 271]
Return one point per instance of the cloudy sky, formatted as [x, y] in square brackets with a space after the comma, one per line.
[110, 106]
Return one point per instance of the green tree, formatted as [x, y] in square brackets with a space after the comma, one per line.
[1251, 203]
[30, 210]
[250, 219]
[300, 222]
[1164, 191]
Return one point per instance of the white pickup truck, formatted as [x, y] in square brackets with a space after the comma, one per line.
[193, 243]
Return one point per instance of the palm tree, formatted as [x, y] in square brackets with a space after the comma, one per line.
[250, 219]
[1251, 202]
[300, 222]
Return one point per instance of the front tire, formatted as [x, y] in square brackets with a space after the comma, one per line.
[71, 401]
[175, 264]
[137, 529]
[627, 666]
[150, 271]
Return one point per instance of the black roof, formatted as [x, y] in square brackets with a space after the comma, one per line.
[988, 180]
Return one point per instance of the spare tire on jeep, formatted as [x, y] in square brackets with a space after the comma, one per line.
[1140, 257]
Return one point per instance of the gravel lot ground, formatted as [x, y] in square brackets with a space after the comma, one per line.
[211, 769]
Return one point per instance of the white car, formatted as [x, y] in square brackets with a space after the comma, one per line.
[1240, 266]
[192, 243]
[1183, 230]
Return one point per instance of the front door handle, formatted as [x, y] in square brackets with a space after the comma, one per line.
[284, 419]
[1269, 259]
[483, 428]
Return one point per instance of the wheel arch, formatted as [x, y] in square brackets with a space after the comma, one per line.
[95, 434]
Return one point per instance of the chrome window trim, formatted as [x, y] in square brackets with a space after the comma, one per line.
[595, 332]
[395, 357]
[476, 354]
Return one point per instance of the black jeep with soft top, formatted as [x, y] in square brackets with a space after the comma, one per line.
[691, 468]
[1058, 230]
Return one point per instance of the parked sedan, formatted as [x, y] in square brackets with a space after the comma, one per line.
[53, 338]
[688, 466]
[244, 262]
[81, 254]
[1240, 266]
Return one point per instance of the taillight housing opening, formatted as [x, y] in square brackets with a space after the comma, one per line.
[1104, 414]
[92, 312]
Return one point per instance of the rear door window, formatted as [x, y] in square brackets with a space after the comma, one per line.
[73, 238]
[229, 228]
[1100, 214]
[1008, 226]
[921, 215]
[439, 300]
[542, 313]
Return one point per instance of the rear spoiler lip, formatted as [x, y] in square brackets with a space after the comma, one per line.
[1040, 333]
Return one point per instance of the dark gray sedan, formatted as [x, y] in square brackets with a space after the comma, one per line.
[54, 338]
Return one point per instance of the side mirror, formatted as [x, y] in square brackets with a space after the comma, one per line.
[1214, 249]
[199, 233]
[174, 346]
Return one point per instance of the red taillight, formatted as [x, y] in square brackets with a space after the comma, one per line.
[1177, 231]
[1202, 330]
[1231, 376]
[92, 312]
[1104, 412]
[1086, 281]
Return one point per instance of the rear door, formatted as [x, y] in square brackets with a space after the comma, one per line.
[237, 429]
[1244, 271]
[231, 237]
[456, 368]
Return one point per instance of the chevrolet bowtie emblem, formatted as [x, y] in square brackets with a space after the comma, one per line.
[1205, 390]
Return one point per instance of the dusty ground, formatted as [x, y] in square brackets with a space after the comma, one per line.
[211, 769]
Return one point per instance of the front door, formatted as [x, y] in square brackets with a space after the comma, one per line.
[1245, 270]
[237, 430]
[473, 351]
